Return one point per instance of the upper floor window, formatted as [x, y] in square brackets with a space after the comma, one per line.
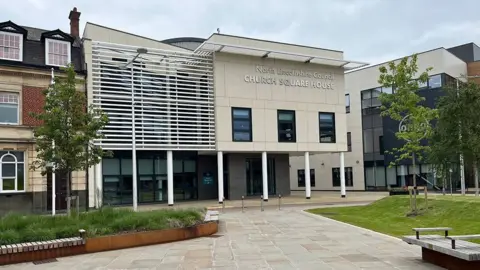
[8, 108]
[286, 126]
[12, 171]
[327, 127]
[241, 124]
[57, 53]
[11, 46]
[347, 103]
[435, 81]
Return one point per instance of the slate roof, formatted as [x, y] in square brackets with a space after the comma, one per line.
[36, 35]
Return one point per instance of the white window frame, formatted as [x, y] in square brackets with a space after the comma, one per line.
[17, 163]
[18, 108]
[20, 47]
[69, 48]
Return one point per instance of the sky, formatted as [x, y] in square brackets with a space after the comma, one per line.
[372, 31]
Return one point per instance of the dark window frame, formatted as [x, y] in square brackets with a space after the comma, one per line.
[334, 134]
[348, 180]
[347, 106]
[349, 141]
[279, 132]
[242, 119]
[301, 177]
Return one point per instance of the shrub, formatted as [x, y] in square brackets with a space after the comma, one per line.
[15, 228]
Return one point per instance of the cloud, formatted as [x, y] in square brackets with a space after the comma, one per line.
[366, 30]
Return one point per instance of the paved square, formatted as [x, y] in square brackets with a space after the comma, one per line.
[273, 239]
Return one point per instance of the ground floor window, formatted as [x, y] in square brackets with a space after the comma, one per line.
[348, 177]
[12, 171]
[380, 177]
[151, 177]
[254, 176]
[301, 177]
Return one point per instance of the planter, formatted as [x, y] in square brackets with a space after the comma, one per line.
[38, 251]
[113, 242]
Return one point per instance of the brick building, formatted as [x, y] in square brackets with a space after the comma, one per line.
[27, 56]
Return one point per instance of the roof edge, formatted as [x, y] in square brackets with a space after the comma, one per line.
[396, 59]
[128, 33]
[278, 42]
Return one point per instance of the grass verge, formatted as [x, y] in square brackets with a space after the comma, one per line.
[15, 228]
[389, 215]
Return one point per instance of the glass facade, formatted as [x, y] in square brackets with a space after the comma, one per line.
[378, 176]
[151, 177]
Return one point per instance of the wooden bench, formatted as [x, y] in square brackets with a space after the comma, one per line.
[434, 229]
[447, 251]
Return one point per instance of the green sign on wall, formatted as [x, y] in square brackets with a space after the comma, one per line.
[207, 178]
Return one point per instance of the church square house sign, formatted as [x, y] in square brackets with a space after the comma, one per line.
[283, 77]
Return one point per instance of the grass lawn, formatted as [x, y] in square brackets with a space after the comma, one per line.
[15, 228]
[388, 215]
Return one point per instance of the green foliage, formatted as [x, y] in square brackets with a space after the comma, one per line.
[389, 215]
[71, 125]
[405, 104]
[457, 115]
[16, 228]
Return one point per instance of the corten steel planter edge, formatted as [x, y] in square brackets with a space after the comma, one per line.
[112, 242]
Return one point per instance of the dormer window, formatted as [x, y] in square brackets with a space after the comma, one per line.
[11, 46]
[57, 52]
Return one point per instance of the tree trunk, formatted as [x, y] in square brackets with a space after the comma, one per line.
[414, 185]
[69, 177]
[475, 173]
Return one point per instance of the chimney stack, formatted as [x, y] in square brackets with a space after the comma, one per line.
[74, 23]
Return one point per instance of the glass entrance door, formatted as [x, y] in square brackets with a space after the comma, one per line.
[254, 179]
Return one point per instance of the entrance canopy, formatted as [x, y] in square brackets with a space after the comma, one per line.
[275, 50]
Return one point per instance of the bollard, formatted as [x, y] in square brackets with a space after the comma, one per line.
[223, 205]
[243, 206]
[279, 201]
[261, 203]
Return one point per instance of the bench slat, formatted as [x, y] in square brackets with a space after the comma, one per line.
[432, 229]
[464, 237]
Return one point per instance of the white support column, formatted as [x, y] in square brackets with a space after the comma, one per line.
[343, 192]
[220, 176]
[98, 185]
[265, 176]
[134, 178]
[170, 177]
[308, 185]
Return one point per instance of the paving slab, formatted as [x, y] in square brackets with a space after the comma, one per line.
[272, 239]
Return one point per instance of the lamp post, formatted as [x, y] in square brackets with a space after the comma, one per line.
[134, 146]
[52, 165]
[462, 171]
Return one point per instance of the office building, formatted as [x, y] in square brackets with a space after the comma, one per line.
[212, 118]
[371, 136]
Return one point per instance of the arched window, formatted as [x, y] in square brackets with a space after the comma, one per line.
[12, 171]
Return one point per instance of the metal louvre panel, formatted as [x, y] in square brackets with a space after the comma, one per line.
[173, 97]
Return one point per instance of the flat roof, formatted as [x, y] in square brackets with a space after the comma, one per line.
[276, 50]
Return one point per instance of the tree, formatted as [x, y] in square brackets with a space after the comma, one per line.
[405, 105]
[456, 131]
[68, 130]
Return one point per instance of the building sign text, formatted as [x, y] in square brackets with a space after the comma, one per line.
[303, 78]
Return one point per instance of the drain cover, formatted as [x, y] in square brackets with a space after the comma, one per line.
[45, 261]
